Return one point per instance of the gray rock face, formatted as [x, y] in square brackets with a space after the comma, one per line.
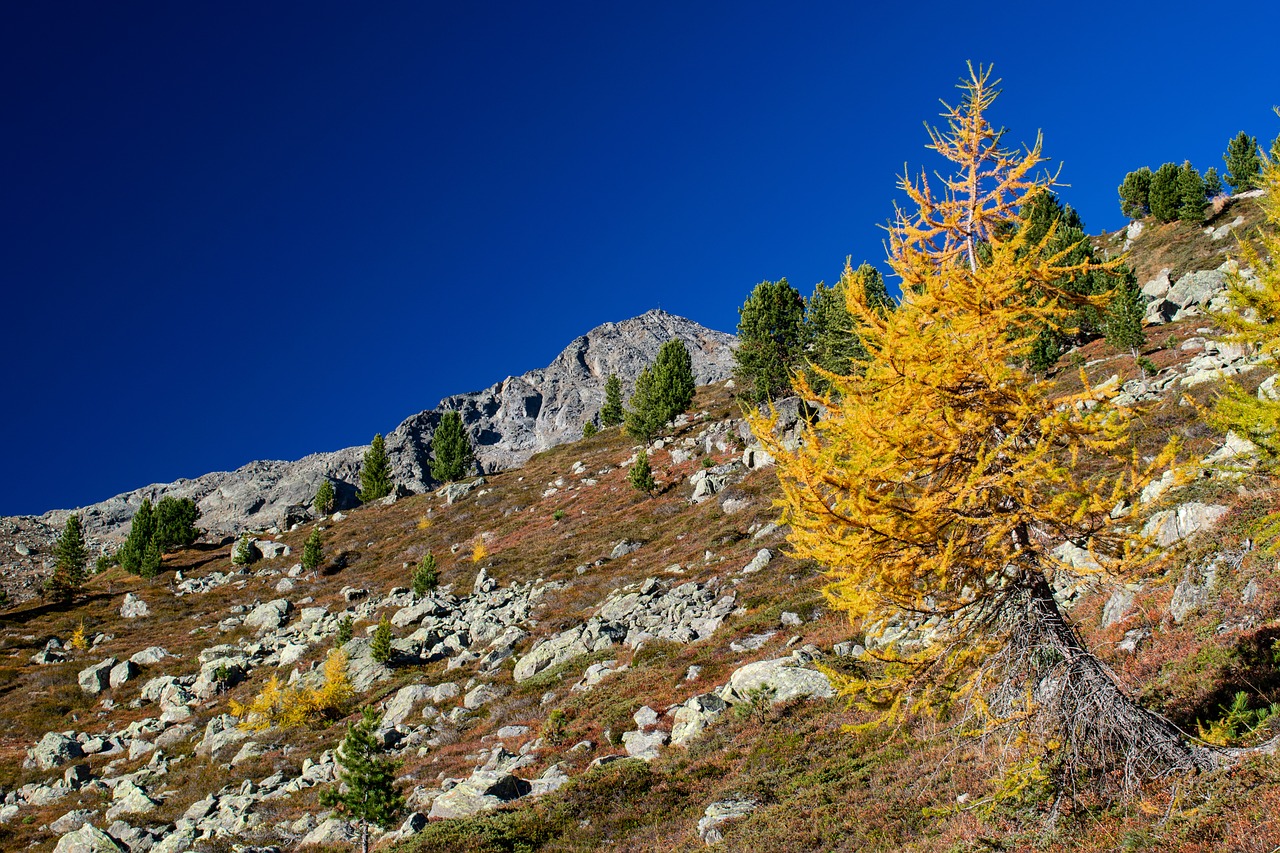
[507, 422]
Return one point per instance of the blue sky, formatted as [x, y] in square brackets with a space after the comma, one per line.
[253, 231]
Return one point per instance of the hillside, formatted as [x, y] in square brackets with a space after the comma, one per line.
[602, 669]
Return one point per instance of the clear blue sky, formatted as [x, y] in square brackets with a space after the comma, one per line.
[257, 230]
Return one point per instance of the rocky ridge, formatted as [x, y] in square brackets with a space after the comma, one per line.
[508, 422]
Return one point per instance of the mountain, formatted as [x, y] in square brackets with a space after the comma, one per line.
[508, 422]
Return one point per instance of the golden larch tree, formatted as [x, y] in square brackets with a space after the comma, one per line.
[941, 476]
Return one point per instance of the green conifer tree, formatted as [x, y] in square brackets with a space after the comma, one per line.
[1061, 230]
[589, 429]
[1212, 183]
[366, 788]
[641, 474]
[451, 449]
[380, 647]
[245, 552]
[312, 551]
[770, 341]
[1244, 165]
[72, 556]
[831, 337]
[1190, 194]
[375, 474]
[1125, 313]
[151, 557]
[426, 577]
[141, 532]
[346, 630]
[643, 417]
[323, 501]
[175, 522]
[673, 380]
[1164, 197]
[611, 413]
[1135, 194]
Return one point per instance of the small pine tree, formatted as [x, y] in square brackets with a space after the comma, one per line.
[451, 452]
[1190, 194]
[1244, 166]
[72, 557]
[245, 552]
[426, 577]
[1135, 193]
[176, 523]
[346, 629]
[323, 501]
[1212, 183]
[1164, 197]
[375, 474]
[312, 551]
[141, 531]
[151, 557]
[642, 419]
[589, 429]
[641, 474]
[770, 341]
[611, 412]
[380, 648]
[366, 787]
[1124, 315]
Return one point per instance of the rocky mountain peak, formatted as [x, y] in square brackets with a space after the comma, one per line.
[508, 422]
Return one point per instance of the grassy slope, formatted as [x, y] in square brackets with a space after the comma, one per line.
[820, 787]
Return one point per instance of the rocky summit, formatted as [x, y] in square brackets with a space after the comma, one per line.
[507, 422]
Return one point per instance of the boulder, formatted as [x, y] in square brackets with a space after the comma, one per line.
[1197, 288]
[399, 706]
[133, 607]
[333, 831]
[95, 679]
[54, 750]
[719, 813]
[1172, 526]
[87, 839]
[645, 745]
[122, 672]
[484, 790]
[149, 655]
[758, 562]
[693, 717]
[270, 549]
[269, 616]
[783, 676]
[128, 798]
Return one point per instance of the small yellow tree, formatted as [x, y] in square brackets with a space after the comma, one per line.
[289, 707]
[943, 473]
